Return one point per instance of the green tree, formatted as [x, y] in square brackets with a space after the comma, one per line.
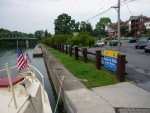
[64, 24]
[96, 32]
[144, 30]
[86, 27]
[77, 27]
[123, 30]
[39, 34]
[46, 33]
[103, 24]
[83, 39]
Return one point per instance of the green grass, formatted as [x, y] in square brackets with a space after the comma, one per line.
[87, 71]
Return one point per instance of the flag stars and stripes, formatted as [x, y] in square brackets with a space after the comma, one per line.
[22, 64]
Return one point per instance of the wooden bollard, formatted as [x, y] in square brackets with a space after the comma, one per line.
[76, 53]
[121, 61]
[84, 52]
[66, 49]
[98, 59]
[70, 51]
[62, 48]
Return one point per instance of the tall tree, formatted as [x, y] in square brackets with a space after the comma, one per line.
[102, 25]
[46, 33]
[86, 27]
[123, 30]
[39, 34]
[64, 24]
[77, 27]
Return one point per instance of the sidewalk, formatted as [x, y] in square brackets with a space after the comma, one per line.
[119, 98]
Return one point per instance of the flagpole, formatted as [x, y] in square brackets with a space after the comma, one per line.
[17, 42]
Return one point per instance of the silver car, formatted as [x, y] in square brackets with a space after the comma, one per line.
[99, 43]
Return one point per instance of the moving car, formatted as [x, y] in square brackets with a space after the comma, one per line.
[147, 48]
[142, 42]
[114, 43]
[99, 43]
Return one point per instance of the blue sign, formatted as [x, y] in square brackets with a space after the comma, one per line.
[110, 63]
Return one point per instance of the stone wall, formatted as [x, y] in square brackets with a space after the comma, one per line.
[57, 72]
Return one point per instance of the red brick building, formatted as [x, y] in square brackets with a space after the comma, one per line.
[137, 24]
[134, 24]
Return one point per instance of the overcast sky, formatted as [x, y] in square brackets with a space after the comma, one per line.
[30, 15]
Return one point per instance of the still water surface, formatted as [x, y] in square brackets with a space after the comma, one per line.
[9, 55]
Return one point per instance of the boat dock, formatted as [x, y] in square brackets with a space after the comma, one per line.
[37, 52]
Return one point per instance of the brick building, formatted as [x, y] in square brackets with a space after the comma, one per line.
[134, 24]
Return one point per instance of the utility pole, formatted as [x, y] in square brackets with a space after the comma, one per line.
[118, 25]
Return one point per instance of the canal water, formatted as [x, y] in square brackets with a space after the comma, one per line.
[9, 55]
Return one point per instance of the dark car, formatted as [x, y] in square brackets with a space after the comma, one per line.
[142, 42]
[114, 43]
[133, 40]
[147, 48]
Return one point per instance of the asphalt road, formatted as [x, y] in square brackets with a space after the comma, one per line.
[138, 66]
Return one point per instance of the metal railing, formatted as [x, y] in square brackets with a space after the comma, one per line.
[8, 69]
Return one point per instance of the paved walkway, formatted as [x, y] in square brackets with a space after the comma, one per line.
[125, 97]
[119, 98]
[37, 51]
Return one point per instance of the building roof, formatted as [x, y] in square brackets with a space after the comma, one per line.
[136, 17]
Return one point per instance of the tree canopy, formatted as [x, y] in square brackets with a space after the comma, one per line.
[102, 25]
[64, 24]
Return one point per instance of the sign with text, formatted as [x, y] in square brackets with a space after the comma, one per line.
[111, 53]
[110, 63]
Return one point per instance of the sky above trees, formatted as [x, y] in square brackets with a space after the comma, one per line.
[31, 15]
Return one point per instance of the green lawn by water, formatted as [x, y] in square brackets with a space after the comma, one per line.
[87, 70]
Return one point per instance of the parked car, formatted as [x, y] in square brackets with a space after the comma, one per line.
[99, 43]
[142, 42]
[147, 48]
[132, 40]
[114, 43]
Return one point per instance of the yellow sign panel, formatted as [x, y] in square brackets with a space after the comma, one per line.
[111, 53]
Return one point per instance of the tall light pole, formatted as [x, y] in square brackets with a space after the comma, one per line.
[118, 25]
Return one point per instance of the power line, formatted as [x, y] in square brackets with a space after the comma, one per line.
[128, 8]
[90, 10]
[108, 10]
[99, 14]
[72, 6]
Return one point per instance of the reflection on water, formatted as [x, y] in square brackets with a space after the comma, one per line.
[9, 55]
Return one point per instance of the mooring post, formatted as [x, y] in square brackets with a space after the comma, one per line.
[84, 52]
[121, 61]
[63, 48]
[60, 48]
[76, 53]
[66, 49]
[98, 59]
[70, 51]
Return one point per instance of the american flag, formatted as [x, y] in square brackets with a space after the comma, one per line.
[27, 57]
[22, 64]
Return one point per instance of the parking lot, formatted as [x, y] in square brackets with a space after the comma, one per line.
[138, 66]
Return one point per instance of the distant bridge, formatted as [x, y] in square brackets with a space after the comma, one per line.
[18, 38]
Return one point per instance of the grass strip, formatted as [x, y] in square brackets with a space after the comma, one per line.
[86, 71]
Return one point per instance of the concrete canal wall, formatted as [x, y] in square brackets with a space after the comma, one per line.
[76, 97]
[37, 51]
[58, 74]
